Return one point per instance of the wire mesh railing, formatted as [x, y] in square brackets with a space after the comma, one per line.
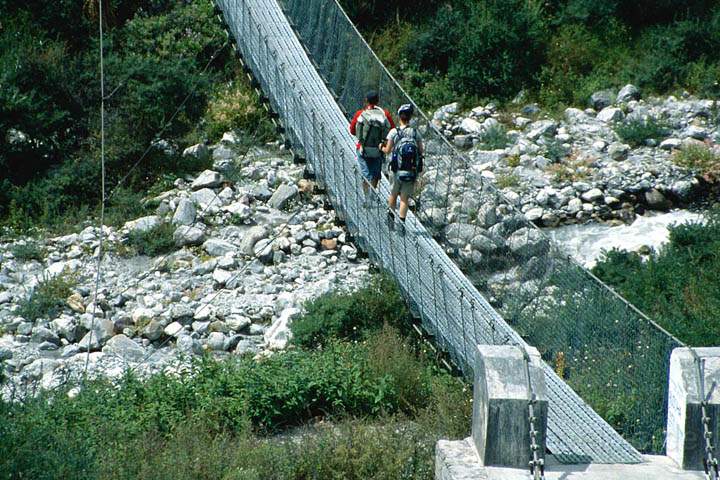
[613, 357]
[608, 351]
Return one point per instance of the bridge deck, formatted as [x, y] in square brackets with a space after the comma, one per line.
[450, 307]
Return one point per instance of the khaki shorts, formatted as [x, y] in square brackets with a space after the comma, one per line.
[402, 188]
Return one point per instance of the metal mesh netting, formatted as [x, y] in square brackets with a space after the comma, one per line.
[613, 357]
[593, 340]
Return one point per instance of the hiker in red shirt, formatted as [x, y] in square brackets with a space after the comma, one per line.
[370, 125]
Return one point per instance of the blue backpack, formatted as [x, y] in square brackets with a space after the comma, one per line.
[406, 155]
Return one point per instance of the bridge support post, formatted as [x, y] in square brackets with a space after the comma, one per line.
[501, 423]
[686, 443]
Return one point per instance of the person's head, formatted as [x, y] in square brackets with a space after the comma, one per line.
[405, 112]
[372, 98]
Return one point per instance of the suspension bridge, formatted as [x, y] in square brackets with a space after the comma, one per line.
[472, 268]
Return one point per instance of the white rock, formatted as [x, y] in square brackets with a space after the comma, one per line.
[670, 143]
[199, 151]
[610, 114]
[173, 329]
[125, 348]
[593, 195]
[627, 93]
[205, 198]
[278, 335]
[184, 213]
[221, 276]
[142, 224]
[217, 341]
[207, 179]
[185, 235]
[470, 125]
[217, 247]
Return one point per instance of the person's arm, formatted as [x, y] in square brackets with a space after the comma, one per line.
[390, 120]
[354, 121]
[387, 148]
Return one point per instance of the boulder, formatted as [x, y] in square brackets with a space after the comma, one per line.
[627, 93]
[593, 195]
[42, 334]
[670, 143]
[142, 224]
[251, 237]
[199, 152]
[207, 179]
[528, 242]
[185, 213]
[282, 196]
[204, 198]
[610, 115]
[96, 337]
[125, 348]
[278, 335]
[542, 128]
[602, 99]
[217, 247]
[67, 327]
[185, 235]
[470, 125]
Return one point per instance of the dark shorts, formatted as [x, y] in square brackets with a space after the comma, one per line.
[370, 168]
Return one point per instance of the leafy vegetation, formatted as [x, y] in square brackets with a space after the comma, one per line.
[700, 159]
[494, 137]
[636, 131]
[679, 285]
[365, 409]
[170, 76]
[559, 52]
[28, 250]
[48, 296]
[155, 241]
[351, 315]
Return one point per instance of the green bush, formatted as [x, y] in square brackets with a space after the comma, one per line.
[678, 286]
[502, 49]
[494, 138]
[48, 297]
[29, 250]
[700, 159]
[351, 315]
[636, 131]
[155, 241]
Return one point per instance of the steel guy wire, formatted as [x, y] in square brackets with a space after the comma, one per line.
[98, 272]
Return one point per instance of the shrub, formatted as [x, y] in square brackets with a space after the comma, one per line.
[235, 107]
[156, 241]
[507, 181]
[351, 315]
[636, 131]
[29, 250]
[494, 138]
[48, 297]
[679, 285]
[700, 159]
[502, 49]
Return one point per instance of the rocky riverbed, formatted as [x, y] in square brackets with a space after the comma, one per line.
[578, 167]
[252, 244]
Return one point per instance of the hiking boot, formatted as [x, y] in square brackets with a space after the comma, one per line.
[401, 230]
[391, 220]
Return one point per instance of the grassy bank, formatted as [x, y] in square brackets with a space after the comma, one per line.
[365, 403]
[679, 285]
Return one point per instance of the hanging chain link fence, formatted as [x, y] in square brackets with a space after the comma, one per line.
[507, 282]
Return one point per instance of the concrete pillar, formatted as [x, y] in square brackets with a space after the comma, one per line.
[685, 434]
[501, 425]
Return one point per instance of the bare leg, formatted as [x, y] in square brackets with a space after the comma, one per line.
[403, 205]
[392, 201]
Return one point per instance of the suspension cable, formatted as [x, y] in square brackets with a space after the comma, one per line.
[98, 272]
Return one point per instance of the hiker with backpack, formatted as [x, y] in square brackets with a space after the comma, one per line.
[406, 164]
[371, 125]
